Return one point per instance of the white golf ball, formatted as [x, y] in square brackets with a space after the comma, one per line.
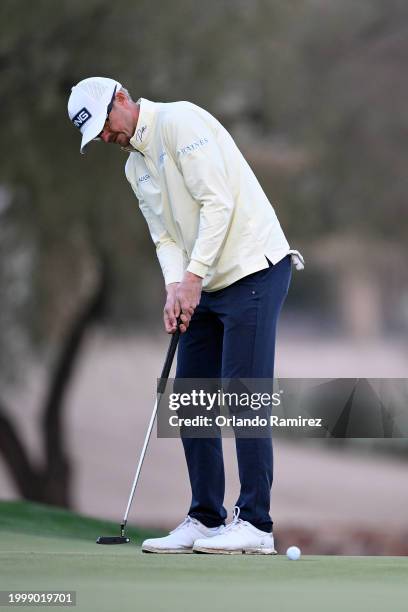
[293, 553]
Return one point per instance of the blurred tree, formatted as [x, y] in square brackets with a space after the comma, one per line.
[304, 86]
[50, 482]
[312, 91]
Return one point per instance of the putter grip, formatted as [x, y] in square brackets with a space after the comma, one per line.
[169, 359]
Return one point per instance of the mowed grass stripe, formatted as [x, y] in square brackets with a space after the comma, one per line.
[63, 555]
[39, 519]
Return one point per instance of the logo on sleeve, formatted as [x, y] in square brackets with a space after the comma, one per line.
[193, 146]
[81, 117]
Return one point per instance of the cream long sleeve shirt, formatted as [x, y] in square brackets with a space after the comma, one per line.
[204, 207]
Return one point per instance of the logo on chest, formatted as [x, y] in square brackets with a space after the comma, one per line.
[140, 133]
[144, 178]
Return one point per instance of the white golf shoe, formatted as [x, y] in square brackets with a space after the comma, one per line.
[237, 538]
[182, 538]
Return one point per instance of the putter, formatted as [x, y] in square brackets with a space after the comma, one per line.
[122, 538]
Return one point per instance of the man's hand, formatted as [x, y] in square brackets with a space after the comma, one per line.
[182, 300]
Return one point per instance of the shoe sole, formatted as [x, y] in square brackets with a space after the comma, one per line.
[224, 551]
[168, 551]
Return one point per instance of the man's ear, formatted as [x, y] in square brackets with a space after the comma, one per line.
[121, 97]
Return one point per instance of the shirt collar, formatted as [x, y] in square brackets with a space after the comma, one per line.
[144, 128]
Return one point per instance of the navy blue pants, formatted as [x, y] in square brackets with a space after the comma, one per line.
[232, 335]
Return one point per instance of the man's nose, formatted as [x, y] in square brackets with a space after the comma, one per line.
[105, 135]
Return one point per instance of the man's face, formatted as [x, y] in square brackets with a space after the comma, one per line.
[120, 125]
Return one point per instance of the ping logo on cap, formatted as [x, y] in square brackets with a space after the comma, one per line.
[81, 117]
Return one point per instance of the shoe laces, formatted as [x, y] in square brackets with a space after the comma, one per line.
[236, 521]
[185, 523]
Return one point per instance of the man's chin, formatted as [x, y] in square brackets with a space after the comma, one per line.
[122, 140]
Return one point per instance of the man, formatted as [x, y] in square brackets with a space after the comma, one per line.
[226, 265]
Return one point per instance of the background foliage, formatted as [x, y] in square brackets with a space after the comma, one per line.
[313, 91]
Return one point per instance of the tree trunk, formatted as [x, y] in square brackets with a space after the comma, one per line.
[51, 483]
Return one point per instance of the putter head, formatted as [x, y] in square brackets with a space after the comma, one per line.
[112, 540]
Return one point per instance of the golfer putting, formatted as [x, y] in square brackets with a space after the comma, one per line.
[226, 265]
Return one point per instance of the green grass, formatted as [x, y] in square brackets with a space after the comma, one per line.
[47, 549]
[46, 521]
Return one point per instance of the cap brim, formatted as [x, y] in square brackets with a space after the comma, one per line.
[92, 129]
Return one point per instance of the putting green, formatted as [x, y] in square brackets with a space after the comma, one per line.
[43, 549]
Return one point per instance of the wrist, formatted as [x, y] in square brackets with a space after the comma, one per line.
[191, 277]
[171, 287]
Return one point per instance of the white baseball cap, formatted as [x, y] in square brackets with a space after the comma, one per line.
[88, 106]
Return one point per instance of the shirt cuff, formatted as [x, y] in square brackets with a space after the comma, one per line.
[172, 277]
[198, 268]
